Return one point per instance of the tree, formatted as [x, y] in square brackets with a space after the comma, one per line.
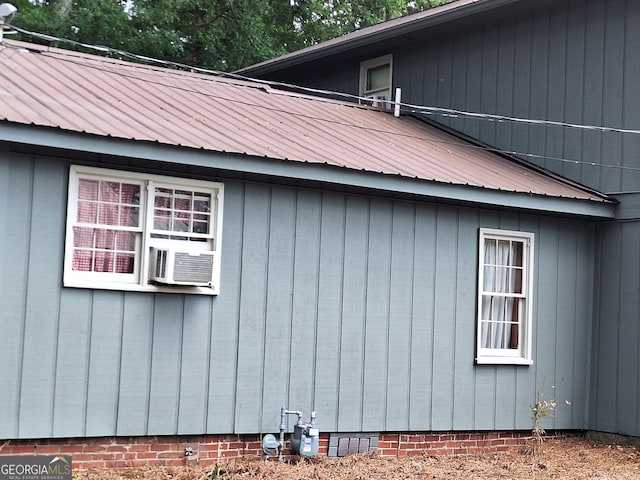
[94, 22]
[218, 34]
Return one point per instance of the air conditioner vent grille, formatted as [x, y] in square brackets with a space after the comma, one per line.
[178, 267]
[191, 268]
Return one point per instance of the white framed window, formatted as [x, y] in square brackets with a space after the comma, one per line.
[132, 231]
[376, 81]
[505, 280]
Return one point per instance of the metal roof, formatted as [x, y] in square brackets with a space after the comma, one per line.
[115, 100]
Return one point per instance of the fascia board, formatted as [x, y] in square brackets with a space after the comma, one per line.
[233, 162]
[376, 33]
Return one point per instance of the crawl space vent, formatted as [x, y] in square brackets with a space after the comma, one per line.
[343, 444]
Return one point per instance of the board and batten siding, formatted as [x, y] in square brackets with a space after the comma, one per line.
[359, 307]
[573, 62]
[562, 61]
[616, 373]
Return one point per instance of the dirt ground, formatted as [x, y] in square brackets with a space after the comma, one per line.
[558, 458]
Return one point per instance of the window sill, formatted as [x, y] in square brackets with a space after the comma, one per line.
[135, 287]
[503, 361]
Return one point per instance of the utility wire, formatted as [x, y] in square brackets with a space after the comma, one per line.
[503, 118]
[415, 109]
[430, 110]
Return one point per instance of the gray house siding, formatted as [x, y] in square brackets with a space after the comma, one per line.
[564, 61]
[360, 307]
[617, 331]
[574, 63]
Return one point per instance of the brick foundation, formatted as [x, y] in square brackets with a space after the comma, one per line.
[208, 449]
[402, 444]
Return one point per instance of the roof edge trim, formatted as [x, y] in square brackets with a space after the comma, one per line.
[72, 141]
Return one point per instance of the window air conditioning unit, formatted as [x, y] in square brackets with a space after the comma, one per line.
[378, 101]
[178, 267]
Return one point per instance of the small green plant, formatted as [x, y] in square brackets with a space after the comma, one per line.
[218, 472]
[539, 411]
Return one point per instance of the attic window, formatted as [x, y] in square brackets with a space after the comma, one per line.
[131, 231]
[376, 81]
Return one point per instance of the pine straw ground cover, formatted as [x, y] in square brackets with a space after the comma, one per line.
[558, 458]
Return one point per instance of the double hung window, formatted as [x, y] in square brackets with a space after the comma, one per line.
[504, 297]
[117, 221]
[106, 235]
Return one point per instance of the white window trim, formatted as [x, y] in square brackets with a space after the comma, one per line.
[522, 355]
[373, 63]
[139, 280]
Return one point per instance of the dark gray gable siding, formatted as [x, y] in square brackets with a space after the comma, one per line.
[567, 61]
[359, 307]
[574, 62]
[617, 331]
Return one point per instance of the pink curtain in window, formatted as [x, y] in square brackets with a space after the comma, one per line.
[103, 204]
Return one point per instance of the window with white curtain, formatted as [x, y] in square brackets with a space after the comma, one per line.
[504, 297]
[117, 221]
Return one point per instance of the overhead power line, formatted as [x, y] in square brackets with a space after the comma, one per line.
[448, 112]
[410, 108]
[503, 118]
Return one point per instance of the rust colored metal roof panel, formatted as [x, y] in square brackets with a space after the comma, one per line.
[110, 98]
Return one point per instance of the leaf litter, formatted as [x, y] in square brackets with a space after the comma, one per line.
[574, 458]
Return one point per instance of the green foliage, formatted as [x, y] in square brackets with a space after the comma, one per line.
[86, 21]
[321, 20]
[218, 34]
[218, 472]
[540, 410]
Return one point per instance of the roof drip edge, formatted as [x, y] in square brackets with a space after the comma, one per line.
[54, 138]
